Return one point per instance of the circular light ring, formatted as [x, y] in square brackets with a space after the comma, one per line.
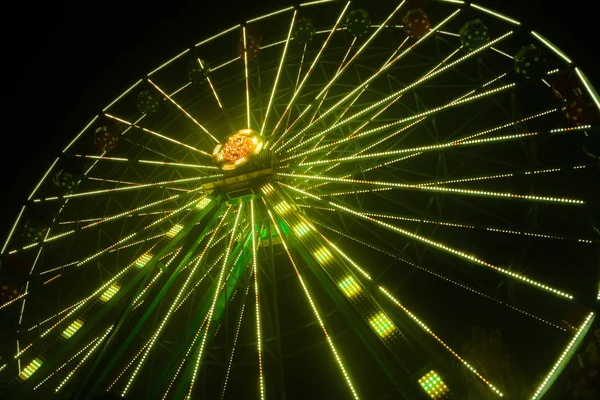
[237, 149]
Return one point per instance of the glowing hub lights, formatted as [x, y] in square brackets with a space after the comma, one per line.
[433, 385]
[350, 287]
[30, 369]
[110, 292]
[72, 329]
[382, 325]
[237, 149]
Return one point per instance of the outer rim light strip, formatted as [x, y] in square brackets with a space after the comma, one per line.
[588, 87]
[217, 35]
[122, 95]
[552, 47]
[80, 133]
[270, 14]
[12, 230]
[564, 357]
[495, 14]
[168, 62]
[441, 246]
[316, 312]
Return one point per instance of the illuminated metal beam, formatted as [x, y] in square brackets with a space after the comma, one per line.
[313, 306]
[164, 137]
[246, 77]
[200, 352]
[434, 274]
[217, 35]
[564, 358]
[307, 75]
[183, 111]
[126, 188]
[441, 246]
[495, 14]
[370, 79]
[282, 61]
[172, 307]
[393, 96]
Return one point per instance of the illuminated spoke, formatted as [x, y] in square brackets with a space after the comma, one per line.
[200, 351]
[164, 137]
[393, 96]
[282, 61]
[246, 76]
[443, 247]
[259, 342]
[182, 110]
[369, 80]
[172, 307]
[434, 274]
[308, 73]
[313, 306]
[483, 193]
[125, 188]
[165, 163]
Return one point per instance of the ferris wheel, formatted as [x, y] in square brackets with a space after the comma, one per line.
[321, 202]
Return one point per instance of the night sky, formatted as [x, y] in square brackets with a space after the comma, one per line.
[64, 61]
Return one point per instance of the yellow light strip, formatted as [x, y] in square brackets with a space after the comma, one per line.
[259, 344]
[420, 268]
[122, 95]
[370, 79]
[306, 76]
[156, 134]
[30, 369]
[217, 35]
[200, 352]
[182, 110]
[12, 230]
[360, 49]
[588, 87]
[246, 76]
[405, 89]
[84, 359]
[423, 326]
[495, 14]
[165, 319]
[281, 62]
[443, 247]
[564, 357]
[316, 312]
[270, 14]
[168, 62]
[202, 66]
[78, 136]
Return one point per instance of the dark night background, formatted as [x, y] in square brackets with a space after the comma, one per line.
[64, 61]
